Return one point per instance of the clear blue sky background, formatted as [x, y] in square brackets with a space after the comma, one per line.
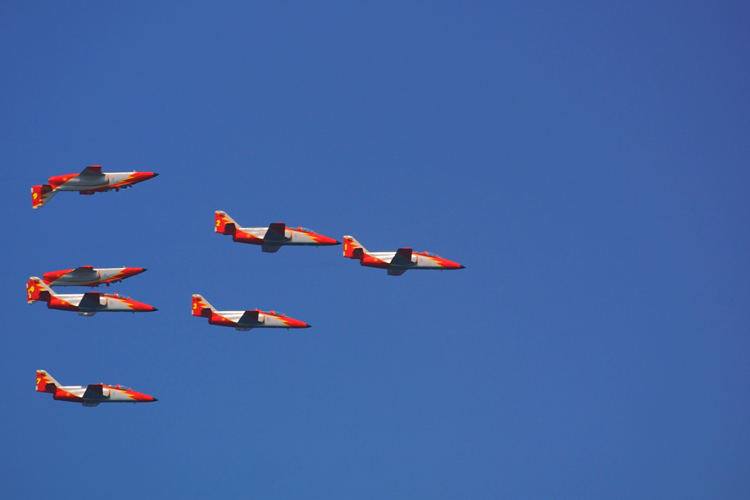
[587, 162]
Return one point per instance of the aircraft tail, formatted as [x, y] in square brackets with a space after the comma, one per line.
[224, 223]
[41, 194]
[352, 248]
[45, 382]
[36, 289]
[201, 307]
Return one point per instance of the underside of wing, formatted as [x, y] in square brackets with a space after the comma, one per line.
[83, 273]
[396, 271]
[249, 319]
[92, 171]
[91, 300]
[270, 248]
[276, 233]
[94, 392]
[402, 257]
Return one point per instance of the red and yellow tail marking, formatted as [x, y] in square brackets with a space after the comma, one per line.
[42, 379]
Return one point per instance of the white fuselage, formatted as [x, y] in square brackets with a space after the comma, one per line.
[106, 304]
[295, 236]
[87, 182]
[109, 394]
[418, 261]
[264, 320]
[81, 279]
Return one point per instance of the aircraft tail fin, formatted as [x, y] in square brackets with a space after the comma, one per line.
[41, 194]
[352, 248]
[201, 307]
[36, 289]
[45, 382]
[224, 223]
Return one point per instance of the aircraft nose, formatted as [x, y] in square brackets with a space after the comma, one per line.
[325, 240]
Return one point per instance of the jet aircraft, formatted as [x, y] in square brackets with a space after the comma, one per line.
[85, 304]
[243, 320]
[91, 180]
[270, 238]
[88, 276]
[398, 262]
[91, 395]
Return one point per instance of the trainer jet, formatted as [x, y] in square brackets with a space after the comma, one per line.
[88, 276]
[243, 320]
[270, 238]
[91, 395]
[91, 180]
[398, 262]
[85, 304]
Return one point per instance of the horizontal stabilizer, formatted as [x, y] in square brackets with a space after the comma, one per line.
[276, 233]
[92, 171]
[402, 257]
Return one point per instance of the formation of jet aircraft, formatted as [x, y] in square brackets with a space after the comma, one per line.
[270, 238]
[91, 180]
[91, 395]
[243, 320]
[89, 276]
[85, 304]
[398, 262]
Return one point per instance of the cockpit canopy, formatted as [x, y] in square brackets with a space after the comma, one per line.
[305, 230]
[430, 254]
[275, 313]
[118, 386]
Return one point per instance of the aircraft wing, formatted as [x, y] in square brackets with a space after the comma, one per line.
[84, 272]
[94, 391]
[276, 233]
[90, 300]
[270, 248]
[250, 318]
[396, 271]
[92, 171]
[402, 257]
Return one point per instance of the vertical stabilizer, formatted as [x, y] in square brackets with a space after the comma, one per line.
[36, 289]
[45, 382]
[201, 306]
[41, 194]
[352, 248]
[224, 224]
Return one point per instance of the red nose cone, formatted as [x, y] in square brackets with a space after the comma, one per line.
[325, 240]
[141, 307]
[143, 398]
[144, 176]
[449, 264]
[294, 323]
[132, 271]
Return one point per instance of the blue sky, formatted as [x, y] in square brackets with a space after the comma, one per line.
[587, 162]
